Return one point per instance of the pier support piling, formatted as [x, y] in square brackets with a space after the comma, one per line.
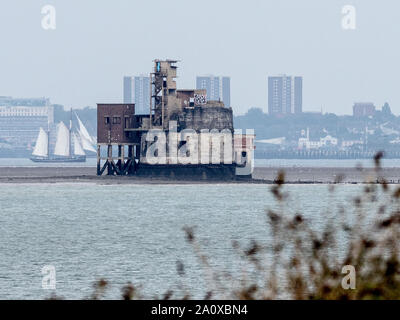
[119, 165]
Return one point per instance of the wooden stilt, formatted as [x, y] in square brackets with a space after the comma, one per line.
[110, 170]
[121, 165]
[98, 160]
[131, 159]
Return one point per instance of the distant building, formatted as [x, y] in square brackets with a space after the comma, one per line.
[128, 97]
[226, 91]
[350, 143]
[217, 88]
[363, 109]
[137, 91]
[306, 143]
[20, 119]
[285, 94]
[141, 94]
[386, 109]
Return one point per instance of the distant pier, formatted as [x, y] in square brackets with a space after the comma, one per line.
[323, 154]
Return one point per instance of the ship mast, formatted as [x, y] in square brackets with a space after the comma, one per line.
[48, 139]
[70, 130]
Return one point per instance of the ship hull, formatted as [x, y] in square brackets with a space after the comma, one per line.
[59, 159]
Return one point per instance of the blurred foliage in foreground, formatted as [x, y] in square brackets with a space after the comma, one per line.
[302, 263]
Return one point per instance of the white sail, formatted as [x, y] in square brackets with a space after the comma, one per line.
[86, 144]
[83, 131]
[78, 150]
[41, 145]
[62, 147]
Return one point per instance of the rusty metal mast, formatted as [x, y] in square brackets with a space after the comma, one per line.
[162, 84]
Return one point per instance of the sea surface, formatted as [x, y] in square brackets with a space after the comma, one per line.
[328, 163]
[133, 233]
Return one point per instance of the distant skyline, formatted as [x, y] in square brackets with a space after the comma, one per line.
[285, 94]
[217, 87]
[96, 43]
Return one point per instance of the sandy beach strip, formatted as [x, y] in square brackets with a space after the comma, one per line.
[260, 175]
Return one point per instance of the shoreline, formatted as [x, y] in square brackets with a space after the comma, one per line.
[261, 175]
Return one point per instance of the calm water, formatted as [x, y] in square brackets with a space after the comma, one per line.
[134, 233]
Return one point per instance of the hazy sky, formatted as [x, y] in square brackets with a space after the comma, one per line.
[96, 43]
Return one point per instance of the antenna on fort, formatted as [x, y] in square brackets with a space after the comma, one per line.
[162, 86]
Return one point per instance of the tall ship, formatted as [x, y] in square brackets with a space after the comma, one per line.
[70, 146]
